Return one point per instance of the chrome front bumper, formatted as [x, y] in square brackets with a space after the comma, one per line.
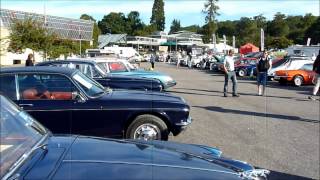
[280, 77]
[185, 123]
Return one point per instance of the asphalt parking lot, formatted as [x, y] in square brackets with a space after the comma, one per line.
[279, 132]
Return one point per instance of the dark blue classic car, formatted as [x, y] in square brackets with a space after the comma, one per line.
[67, 101]
[29, 151]
[98, 73]
[246, 70]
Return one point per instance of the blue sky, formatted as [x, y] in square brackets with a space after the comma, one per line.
[187, 11]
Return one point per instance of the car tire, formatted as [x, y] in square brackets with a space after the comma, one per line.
[148, 127]
[242, 72]
[298, 80]
[198, 65]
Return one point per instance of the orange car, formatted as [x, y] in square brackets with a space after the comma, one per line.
[304, 75]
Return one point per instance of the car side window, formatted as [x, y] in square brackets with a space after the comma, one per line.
[95, 72]
[85, 69]
[45, 86]
[117, 67]
[8, 86]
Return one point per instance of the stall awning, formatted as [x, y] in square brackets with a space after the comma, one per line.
[170, 43]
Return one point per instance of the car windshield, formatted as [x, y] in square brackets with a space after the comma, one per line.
[307, 67]
[130, 66]
[101, 69]
[18, 136]
[219, 59]
[89, 86]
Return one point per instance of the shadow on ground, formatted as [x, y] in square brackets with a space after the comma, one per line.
[274, 175]
[241, 93]
[250, 113]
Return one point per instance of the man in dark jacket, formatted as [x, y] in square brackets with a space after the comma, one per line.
[263, 66]
[29, 61]
[316, 69]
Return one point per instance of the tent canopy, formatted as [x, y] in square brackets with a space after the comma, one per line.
[247, 48]
[169, 43]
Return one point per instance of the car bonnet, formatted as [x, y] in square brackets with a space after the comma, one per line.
[89, 158]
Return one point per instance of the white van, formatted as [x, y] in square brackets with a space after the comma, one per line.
[128, 53]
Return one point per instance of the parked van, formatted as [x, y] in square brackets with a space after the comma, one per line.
[128, 53]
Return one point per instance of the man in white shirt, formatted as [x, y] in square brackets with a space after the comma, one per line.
[228, 66]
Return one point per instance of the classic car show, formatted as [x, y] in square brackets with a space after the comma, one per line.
[158, 89]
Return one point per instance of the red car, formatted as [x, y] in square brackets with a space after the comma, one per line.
[304, 75]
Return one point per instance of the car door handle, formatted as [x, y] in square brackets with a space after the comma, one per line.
[26, 105]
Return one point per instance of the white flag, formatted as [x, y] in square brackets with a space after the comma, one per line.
[225, 41]
[308, 41]
[262, 39]
[233, 42]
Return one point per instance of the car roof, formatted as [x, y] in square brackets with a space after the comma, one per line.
[109, 60]
[38, 69]
[88, 61]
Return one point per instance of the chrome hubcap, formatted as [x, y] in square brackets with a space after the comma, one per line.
[297, 81]
[241, 73]
[147, 132]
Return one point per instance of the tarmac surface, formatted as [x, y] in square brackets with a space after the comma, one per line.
[279, 132]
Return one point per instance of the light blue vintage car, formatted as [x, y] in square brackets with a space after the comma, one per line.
[123, 67]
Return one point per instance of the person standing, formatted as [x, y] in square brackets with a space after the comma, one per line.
[30, 60]
[228, 66]
[316, 69]
[179, 57]
[263, 66]
[152, 60]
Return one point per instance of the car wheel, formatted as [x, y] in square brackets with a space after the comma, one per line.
[147, 127]
[197, 65]
[242, 72]
[298, 80]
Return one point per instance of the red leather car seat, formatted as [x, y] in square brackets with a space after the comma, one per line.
[34, 94]
[30, 94]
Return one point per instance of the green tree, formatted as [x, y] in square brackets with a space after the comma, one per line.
[158, 17]
[279, 42]
[134, 23]
[192, 28]
[247, 31]
[175, 26]
[96, 29]
[278, 26]
[29, 33]
[114, 23]
[313, 32]
[211, 11]
[261, 21]
[62, 47]
[227, 27]
[147, 30]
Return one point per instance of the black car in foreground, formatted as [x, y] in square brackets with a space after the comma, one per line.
[67, 101]
[98, 73]
[30, 151]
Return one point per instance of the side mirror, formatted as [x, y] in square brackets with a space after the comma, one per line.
[76, 96]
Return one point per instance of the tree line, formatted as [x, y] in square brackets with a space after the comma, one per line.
[280, 32]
